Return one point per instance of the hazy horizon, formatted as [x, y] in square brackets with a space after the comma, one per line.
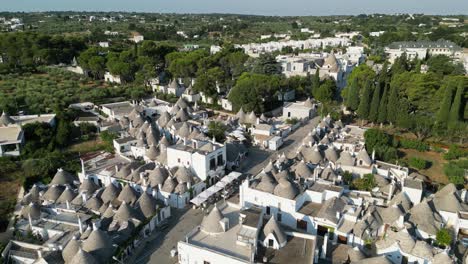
[246, 7]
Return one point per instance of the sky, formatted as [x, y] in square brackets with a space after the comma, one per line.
[258, 7]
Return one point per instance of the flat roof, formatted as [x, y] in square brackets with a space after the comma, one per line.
[412, 183]
[27, 119]
[252, 216]
[11, 134]
[226, 242]
[320, 187]
[298, 250]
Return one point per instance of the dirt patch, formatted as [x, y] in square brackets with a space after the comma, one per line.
[9, 189]
[87, 146]
[436, 171]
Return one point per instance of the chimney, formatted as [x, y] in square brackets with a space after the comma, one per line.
[159, 186]
[338, 215]
[68, 204]
[80, 225]
[83, 168]
[324, 247]
[153, 191]
[84, 196]
[373, 155]
[30, 220]
[39, 253]
[95, 225]
[258, 121]
[390, 192]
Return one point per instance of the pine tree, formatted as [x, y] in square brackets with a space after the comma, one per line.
[352, 98]
[403, 118]
[444, 110]
[454, 115]
[392, 107]
[364, 104]
[382, 117]
[374, 106]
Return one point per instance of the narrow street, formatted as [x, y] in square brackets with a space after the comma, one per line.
[157, 248]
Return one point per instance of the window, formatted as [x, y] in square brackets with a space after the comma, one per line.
[178, 160]
[289, 114]
[301, 224]
[212, 164]
[206, 262]
[270, 242]
[268, 210]
[279, 216]
[220, 160]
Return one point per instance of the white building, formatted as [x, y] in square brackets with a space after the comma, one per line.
[299, 110]
[12, 136]
[234, 235]
[108, 77]
[421, 49]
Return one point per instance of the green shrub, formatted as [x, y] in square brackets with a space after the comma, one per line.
[414, 144]
[366, 183]
[418, 163]
[455, 172]
[454, 153]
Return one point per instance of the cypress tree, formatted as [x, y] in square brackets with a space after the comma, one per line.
[374, 106]
[353, 95]
[382, 116]
[392, 107]
[454, 116]
[444, 110]
[364, 104]
[315, 82]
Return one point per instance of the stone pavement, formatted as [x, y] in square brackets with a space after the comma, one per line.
[158, 247]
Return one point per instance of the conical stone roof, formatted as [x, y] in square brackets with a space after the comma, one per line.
[128, 195]
[147, 205]
[272, 227]
[83, 257]
[184, 174]
[346, 159]
[286, 189]
[110, 193]
[63, 177]
[67, 195]
[302, 170]
[99, 244]
[126, 213]
[6, 120]
[32, 209]
[157, 176]
[89, 186]
[211, 222]
[330, 154]
[70, 249]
